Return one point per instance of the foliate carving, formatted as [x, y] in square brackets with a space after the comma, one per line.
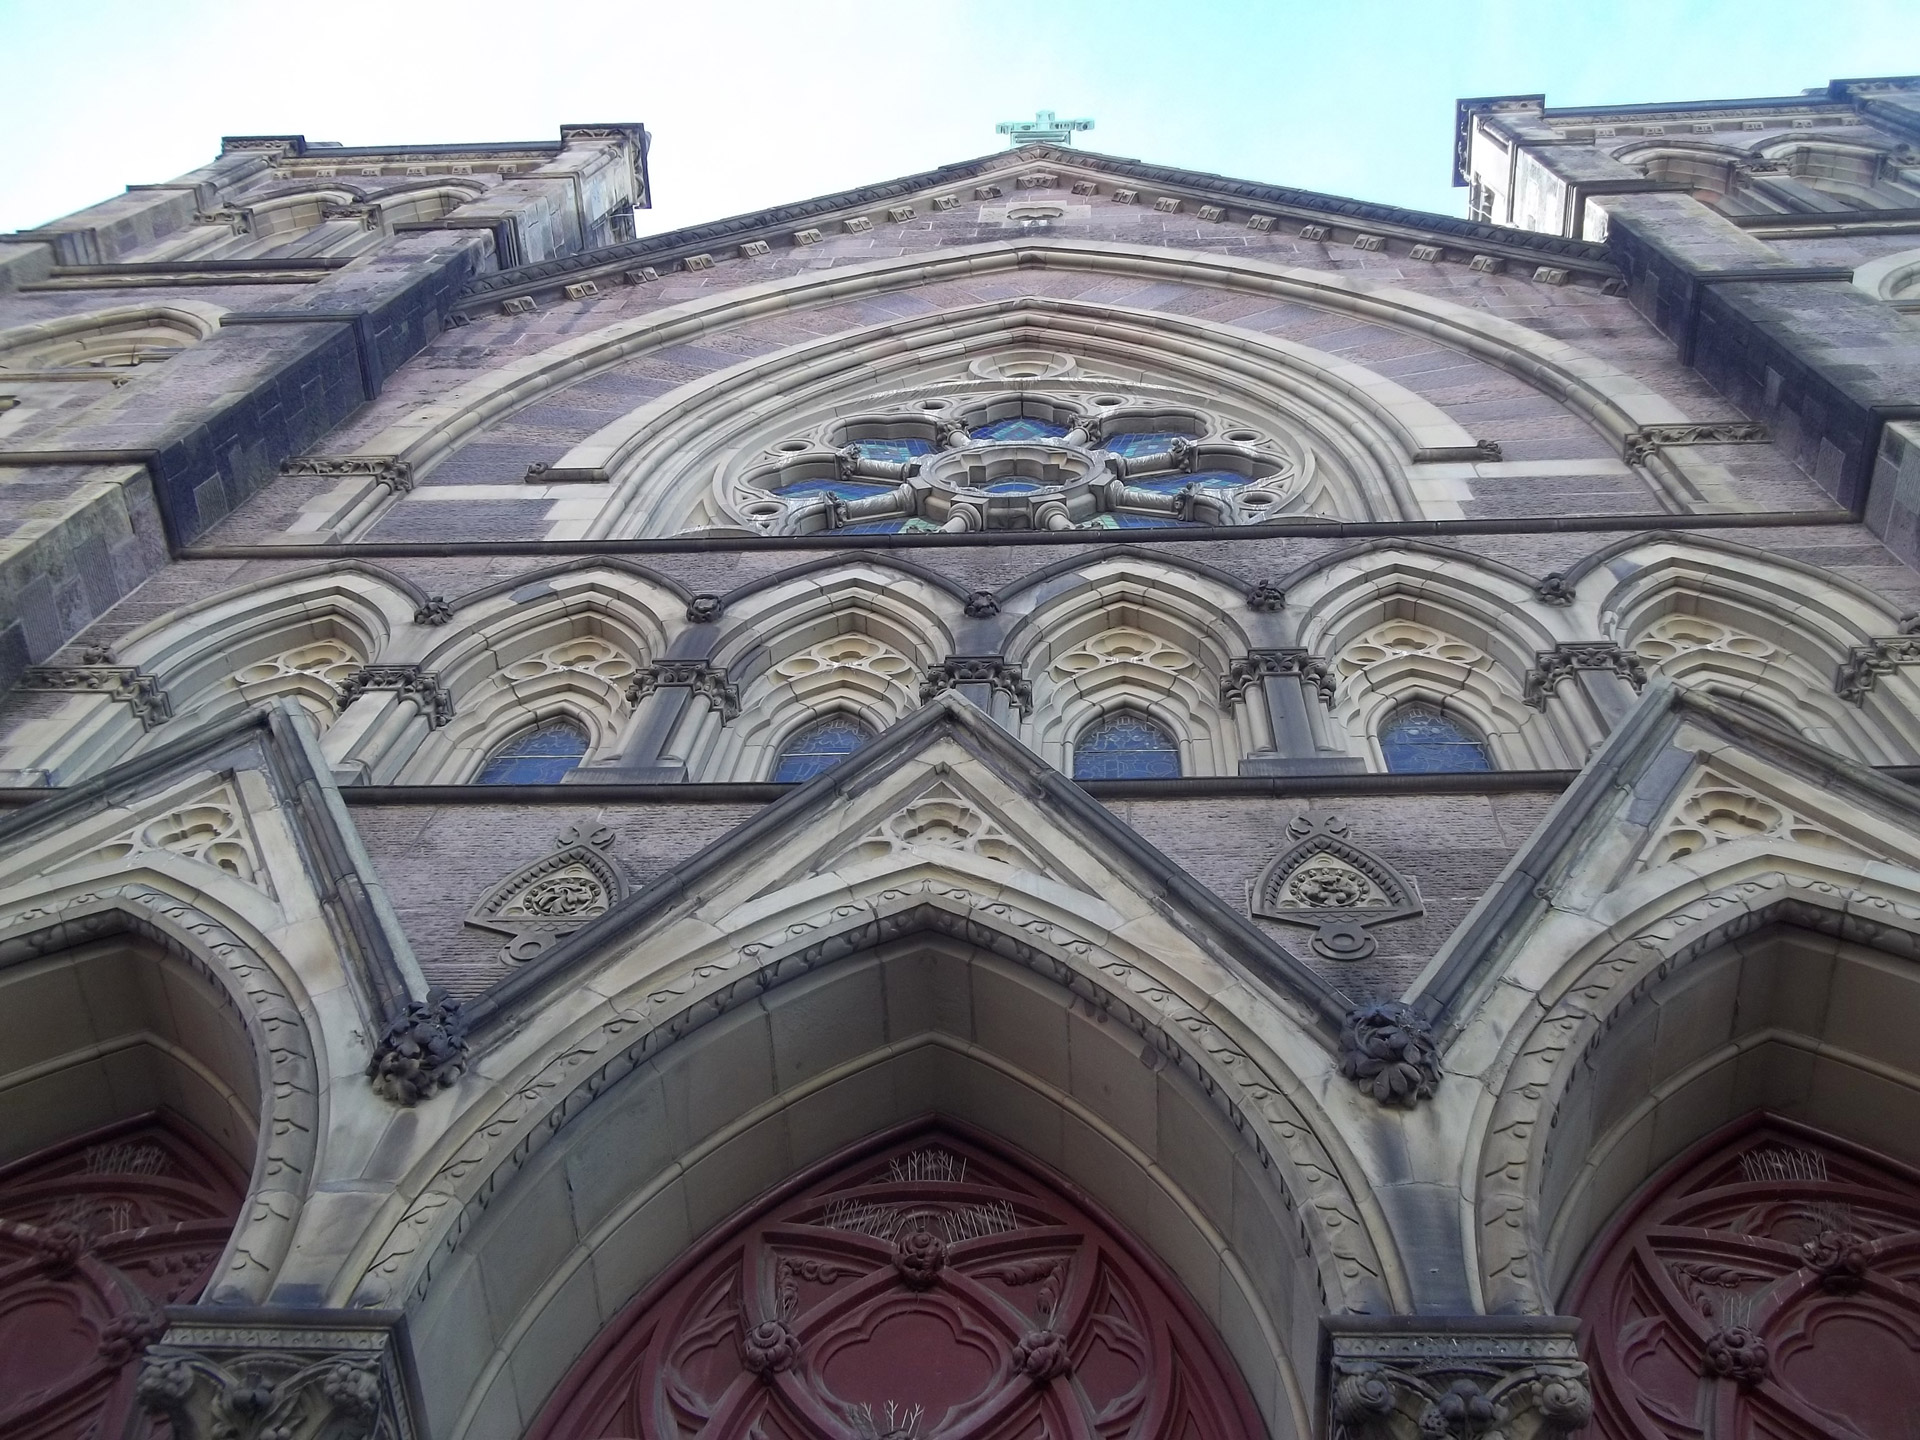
[1041, 1356]
[707, 681]
[433, 611]
[262, 1383]
[1266, 597]
[554, 895]
[1553, 589]
[981, 604]
[1468, 1384]
[1389, 1051]
[1641, 445]
[1246, 671]
[141, 693]
[389, 471]
[420, 685]
[919, 1255]
[424, 1049]
[768, 1348]
[1867, 663]
[1550, 667]
[1737, 1353]
[1326, 881]
[704, 609]
[993, 670]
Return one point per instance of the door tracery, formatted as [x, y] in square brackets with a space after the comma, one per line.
[97, 1236]
[932, 1287]
[1771, 1287]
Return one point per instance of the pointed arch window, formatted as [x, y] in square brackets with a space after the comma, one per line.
[1420, 739]
[1125, 745]
[820, 746]
[541, 755]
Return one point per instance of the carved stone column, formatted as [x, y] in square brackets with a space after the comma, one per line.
[1469, 1377]
[1293, 687]
[220, 1374]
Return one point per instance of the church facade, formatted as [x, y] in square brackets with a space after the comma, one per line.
[1055, 797]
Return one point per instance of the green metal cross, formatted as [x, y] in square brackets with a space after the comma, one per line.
[1044, 127]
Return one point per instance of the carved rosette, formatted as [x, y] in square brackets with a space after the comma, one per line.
[1326, 881]
[1389, 1051]
[424, 1049]
[1480, 1381]
[554, 895]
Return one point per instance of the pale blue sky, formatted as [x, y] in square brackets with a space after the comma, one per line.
[752, 103]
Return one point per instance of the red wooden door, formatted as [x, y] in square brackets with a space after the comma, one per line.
[1770, 1287]
[96, 1235]
[930, 1288]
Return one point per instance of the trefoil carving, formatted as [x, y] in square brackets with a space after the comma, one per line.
[553, 896]
[1326, 881]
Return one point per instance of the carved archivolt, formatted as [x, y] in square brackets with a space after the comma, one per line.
[1268, 1107]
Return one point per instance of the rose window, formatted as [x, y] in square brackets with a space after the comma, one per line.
[1021, 462]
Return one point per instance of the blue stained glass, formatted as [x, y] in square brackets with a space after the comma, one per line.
[1205, 479]
[540, 756]
[1125, 746]
[893, 449]
[845, 489]
[820, 746]
[1127, 520]
[1420, 740]
[873, 527]
[1018, 428]
[1011, 487]
[1227, 478]
[1144, 442]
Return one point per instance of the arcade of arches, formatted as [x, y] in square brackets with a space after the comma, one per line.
[1057, 798]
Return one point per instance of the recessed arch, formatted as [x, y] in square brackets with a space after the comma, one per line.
[124, 335]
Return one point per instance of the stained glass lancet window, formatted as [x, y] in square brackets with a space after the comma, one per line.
[820, 746]
[539, 756]
[1419, 739]
[1125, 745]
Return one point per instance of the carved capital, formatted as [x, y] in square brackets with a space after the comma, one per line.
[1867, 663]
[422, 685]
[979, 670]
[140, 692]
[1256, 665]
[307, 1377]
[1472, 1378]
[423, 1050]
[1550, 667]
[1388, 1050]
[707, 681]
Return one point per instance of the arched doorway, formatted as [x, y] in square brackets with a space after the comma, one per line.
[1768, 1283]
[97, 1235]
[929, 1284]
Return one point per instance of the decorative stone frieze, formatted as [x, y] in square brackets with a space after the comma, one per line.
[751, 249]
[1473, 1378]
[1246, 671]
[140, 692]
[1369, 242]
[1550, 667]
[990, 670]
[284, 1375]
[368, 216]
[1551, 275]
[1642, 444]
[1167, 205]
[1487, 264]
[519, 305]
[423, 686]
[1085, 187]
[1323, 880]
[1260, 222]
[1314, 232]
[386, 470]
[705, 680]
[808, 236]
[1211, 212]
[1124, 196]
[1426, 252]
[857, 225]
[1865, 664]
[987, 192]
[423, 1049]
[581, 289]
[697, 262]
[645, 275]
[945, 202]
